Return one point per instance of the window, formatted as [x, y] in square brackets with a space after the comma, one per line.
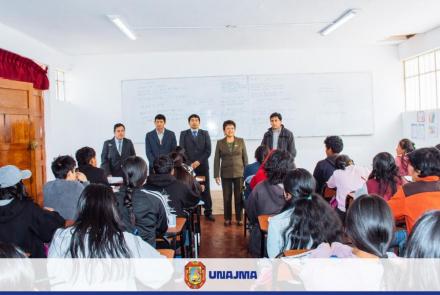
[422, 81]
[61, 86]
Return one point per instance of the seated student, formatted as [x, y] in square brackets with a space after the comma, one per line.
[370, 231]
[183, 172]
[424, 240]
[86, 158]
[347, 178]
[325, 168]
[260, 175]
[384, 180]
[413, 199]
[306, 222]
[62, 194]
[250, 170]
[369, 228]
[268, 196]
[163, 181]
[8, 250]
[404, 147]
[22, 222]
[15, 274]
[97, 233]
[141, 211]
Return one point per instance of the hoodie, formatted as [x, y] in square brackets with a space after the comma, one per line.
[26, 225]
[181, 195]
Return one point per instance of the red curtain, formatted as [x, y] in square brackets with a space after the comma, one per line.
[19, 68]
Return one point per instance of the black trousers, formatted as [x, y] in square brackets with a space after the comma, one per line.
[206, 194]
[230, 185]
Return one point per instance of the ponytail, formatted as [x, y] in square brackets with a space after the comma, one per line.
[128, 203]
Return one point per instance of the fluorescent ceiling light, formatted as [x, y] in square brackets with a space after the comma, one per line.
[346, 16]
[116, 19]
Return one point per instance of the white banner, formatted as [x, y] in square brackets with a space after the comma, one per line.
[287, 274]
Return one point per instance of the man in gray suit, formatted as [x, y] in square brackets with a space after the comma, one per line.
[197, 145]
[159, 141]
[115, 151]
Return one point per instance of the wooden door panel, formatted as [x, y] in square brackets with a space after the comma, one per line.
[17, 129]
[22, 140]
[18, 157]
[36, 103]
[36, 131]
[14, 99]
[2, 129]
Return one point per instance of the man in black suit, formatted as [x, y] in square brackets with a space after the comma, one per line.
[115, 151]
[159, 141]
[197, 145]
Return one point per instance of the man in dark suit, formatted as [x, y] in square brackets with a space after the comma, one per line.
[197, 145]
[160, 141]
[115, 151]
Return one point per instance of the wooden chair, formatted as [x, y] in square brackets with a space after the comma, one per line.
[69, 222]
[348, 201]
[263, 221]
[177, 232]
[294, 252]
[328, 193]
[168, 253]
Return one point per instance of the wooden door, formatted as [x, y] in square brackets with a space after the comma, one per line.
[22, 132]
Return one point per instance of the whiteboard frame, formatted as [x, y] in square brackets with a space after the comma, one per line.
[369, 73]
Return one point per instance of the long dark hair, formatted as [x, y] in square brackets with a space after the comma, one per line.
[135, 173]
[180, 172]
[17, 191]
[370, 224]
[278, 163]
[424, 240]
[8, 250]
[312, 219]
[343, 161]
[386, 172]
[98, 222]
[407, 146]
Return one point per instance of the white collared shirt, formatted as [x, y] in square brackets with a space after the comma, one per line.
[160, 135]
[117, 144]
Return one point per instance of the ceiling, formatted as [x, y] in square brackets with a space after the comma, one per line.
[81, 27]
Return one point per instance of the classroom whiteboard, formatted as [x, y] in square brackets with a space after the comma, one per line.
[311, 104]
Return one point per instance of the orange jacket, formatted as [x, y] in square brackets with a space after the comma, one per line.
[413, 199]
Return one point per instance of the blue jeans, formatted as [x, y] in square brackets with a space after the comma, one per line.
[399, 240]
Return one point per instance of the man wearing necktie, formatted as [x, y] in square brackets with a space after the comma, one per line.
[197, 145]
[159, 141]
[115, 151]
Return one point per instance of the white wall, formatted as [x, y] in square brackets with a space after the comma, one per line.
[17, 42]
[95, 92]
[420, 43]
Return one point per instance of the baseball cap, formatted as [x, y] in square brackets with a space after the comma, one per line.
[10, 175]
